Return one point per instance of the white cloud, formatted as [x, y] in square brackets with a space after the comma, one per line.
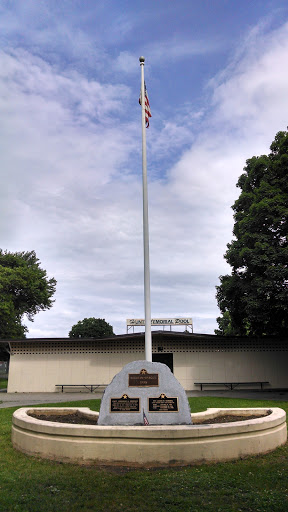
[163, 52]
[52, 31]
[71, 183]
[254, 88]
[178, 47]
[126, 62]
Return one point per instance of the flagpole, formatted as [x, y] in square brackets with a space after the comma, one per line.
[148, 339]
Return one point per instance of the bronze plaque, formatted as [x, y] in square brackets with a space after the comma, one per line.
[163, 404]
[143, 379]
[125, 404]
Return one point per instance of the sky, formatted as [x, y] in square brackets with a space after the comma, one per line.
[70, 134]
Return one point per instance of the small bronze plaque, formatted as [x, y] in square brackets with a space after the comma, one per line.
[124, 404]
[163, 404]
[143, 379]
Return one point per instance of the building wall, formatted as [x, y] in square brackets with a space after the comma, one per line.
[33, 373]
[39, 366]
[231, 367]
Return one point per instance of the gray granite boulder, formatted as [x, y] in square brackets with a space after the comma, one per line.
[144, 393]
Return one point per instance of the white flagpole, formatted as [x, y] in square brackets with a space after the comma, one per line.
[148, 339]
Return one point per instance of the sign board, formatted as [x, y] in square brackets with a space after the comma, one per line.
[163, 404]
[159, 321]
[124, 404]
[143, 379]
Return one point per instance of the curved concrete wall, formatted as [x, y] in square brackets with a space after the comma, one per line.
[151, 445]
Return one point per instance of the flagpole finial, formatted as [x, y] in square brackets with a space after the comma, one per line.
[142, 60]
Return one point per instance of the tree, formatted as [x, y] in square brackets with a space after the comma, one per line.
[225, 325]
[4, 352]
[254, 298]
[24, 290]
[91, 328]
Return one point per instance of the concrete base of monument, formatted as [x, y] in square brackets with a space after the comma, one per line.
[150, 446]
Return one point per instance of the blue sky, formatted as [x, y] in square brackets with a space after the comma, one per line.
[70, 135]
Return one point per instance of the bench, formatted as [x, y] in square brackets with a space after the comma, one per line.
[90, 387]
[231, 385]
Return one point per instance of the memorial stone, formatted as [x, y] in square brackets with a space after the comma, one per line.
[144, 393]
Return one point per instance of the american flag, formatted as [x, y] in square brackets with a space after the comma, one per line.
[145, 421]
[147, 106]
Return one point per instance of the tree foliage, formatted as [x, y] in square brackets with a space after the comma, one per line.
[4, 352]
[254, 298]
[91, 328]
[24, 290]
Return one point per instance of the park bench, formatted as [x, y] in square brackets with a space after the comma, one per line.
[231, 385]
[90, 387]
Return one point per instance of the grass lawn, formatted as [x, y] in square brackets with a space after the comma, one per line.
[3, 383]
[256, 484]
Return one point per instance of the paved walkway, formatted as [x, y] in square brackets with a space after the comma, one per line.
[23, 399]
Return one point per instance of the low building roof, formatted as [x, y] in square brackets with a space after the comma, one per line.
[161, 334]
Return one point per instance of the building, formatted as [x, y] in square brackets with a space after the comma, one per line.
[38, 365]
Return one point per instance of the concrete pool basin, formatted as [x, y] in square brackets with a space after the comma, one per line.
[140, 446]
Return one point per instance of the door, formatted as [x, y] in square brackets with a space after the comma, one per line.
[164, 358]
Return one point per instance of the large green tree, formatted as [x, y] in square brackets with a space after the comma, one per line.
[254, 298]
[91, 328]
[24, 290]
